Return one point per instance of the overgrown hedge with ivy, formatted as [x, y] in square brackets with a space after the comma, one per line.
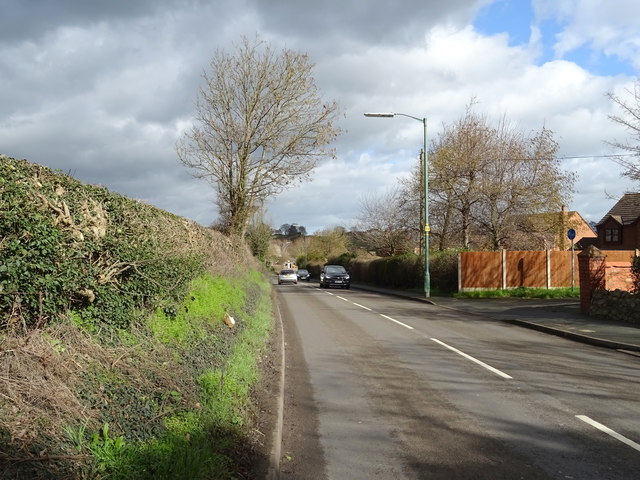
[66, 246]
[117, 359]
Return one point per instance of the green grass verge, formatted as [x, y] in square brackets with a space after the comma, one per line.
[197, 443]
[522, 292]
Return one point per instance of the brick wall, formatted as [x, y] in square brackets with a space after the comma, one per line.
[591, 270]
[602, 272]
[618, 276]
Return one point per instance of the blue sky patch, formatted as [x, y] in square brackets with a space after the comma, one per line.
[598, 63]
[516, 17]
[506, 16]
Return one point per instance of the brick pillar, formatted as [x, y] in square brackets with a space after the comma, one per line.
[591, 270]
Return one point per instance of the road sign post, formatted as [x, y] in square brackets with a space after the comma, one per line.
[572, 235]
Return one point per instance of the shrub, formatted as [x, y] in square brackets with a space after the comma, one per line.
[403, 271]
[443, 269]
[343, 259]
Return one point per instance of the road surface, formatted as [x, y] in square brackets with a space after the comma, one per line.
[379, 387]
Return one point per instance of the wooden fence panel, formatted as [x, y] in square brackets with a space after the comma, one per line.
[526, 269]
[480, 270]
[486, 270]
[560, 268]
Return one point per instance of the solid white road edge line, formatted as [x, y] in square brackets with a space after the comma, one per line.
[273, 472]
[469, 357]
[399, 323]
[608, 431]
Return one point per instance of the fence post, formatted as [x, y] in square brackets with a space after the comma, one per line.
[504, 269]
[548, 269]
[459, 271]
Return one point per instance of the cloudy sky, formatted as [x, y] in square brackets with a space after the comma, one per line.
[103, 89]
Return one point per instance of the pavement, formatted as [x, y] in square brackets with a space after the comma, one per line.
[561, 317]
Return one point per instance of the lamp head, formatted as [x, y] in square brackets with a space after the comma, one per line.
[380, 115]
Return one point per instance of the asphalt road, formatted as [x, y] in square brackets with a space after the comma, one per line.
[378, 387]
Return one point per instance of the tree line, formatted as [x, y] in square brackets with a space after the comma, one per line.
[486, 181]
[260, 126]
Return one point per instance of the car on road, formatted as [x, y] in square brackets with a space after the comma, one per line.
[304, 274]
[334, 276]
[287, 276]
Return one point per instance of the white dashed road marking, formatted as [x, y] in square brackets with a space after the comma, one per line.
[396, 321]
[469, 357]
[584, 418]
[610, 432]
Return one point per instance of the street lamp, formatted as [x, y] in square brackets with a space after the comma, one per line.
[425, 169]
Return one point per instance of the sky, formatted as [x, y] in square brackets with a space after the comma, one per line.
[102, 90]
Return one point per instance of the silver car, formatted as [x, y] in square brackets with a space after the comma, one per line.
[287, 276]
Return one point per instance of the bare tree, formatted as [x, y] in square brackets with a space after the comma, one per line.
[630, 119]
[485, 177]
[458, 157]
[386, 223]
[260, 126]
[523, 178]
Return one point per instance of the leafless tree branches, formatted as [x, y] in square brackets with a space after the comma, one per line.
[260, 126]
[629, 118]
[485, 177]
[386, 223]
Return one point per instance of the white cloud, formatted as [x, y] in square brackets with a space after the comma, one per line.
[103, 91]
[609, 28]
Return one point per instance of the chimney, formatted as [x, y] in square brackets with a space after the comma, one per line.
[564, 209]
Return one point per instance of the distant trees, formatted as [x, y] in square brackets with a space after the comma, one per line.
[485, 176]
[327, 243]
[293, 230]
[488, 176]
[260, 126]
[630, 119]
[484, 179]
[385, 224]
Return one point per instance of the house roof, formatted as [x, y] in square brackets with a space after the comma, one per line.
[570, 215]
[575, 215]
[626, 211]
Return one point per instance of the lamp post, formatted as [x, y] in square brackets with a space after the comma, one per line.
[425, 170]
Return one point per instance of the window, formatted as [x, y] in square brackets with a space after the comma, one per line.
[612, 235]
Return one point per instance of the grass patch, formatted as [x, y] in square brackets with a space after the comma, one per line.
[197, 443]
[164, 400]
[522, 292]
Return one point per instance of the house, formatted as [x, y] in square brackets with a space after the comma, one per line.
[619, 229]
[549, 231]
[584, 232]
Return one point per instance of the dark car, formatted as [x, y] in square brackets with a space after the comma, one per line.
[334, 276]
[303, 274]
